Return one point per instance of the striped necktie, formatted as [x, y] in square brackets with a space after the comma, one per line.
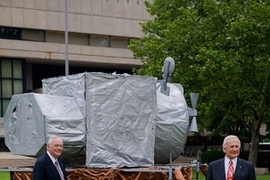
[230, 171]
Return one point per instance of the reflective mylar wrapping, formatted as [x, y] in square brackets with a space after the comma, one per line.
[172, 124]
[72, 86]
[32, 118]
[121, 112]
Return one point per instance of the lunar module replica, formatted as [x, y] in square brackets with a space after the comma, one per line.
[119, 120]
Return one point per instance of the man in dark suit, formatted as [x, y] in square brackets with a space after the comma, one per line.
[231, 167]
[49, 166]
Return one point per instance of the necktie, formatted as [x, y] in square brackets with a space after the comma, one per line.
[59, 170]
[230, 171]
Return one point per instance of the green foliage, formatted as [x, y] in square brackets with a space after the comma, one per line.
[221, 50]
[209, 156]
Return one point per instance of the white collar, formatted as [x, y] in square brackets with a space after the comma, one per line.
[233, 160]
[51, 157]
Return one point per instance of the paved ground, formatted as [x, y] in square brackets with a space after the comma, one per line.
[7, 159]
[182, 159]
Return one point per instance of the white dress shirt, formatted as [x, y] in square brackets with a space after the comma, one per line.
[226, 164]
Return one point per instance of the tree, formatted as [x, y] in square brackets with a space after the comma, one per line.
[221, 50]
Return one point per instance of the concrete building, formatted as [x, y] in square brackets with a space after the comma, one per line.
[32, 41]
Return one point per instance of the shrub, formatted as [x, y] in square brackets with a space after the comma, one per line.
[209, 156]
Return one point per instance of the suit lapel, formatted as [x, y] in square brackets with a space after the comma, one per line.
[221, 169]
[239, 168]
[217, 170]
[51, 166]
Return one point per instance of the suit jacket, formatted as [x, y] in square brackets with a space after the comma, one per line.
[44, 169]
[244, 170]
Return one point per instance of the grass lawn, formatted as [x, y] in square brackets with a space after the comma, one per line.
[4, 176]
[263, 177]
[202, 177]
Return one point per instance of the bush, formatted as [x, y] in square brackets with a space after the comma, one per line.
[209, 156]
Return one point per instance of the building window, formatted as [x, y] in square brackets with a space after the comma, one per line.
[59, 37]
[10, 33]
[55, 37]
[78, 39]
[101, 41]
[11, 81]
[119, 42]
[33, 35]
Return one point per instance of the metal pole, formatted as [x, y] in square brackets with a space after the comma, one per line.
[170, 168]
[66, 39]
[197, 169]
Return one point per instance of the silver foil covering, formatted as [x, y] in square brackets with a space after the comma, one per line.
[172, 124]
[129, 122]
[72, 86]
[32, 118]
[121, 112]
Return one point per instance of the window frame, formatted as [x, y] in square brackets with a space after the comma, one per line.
[13, 80]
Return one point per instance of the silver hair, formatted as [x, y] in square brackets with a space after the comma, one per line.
[53, 138]
[230, 137]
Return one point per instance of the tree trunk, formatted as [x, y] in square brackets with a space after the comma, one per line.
[255, 139]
